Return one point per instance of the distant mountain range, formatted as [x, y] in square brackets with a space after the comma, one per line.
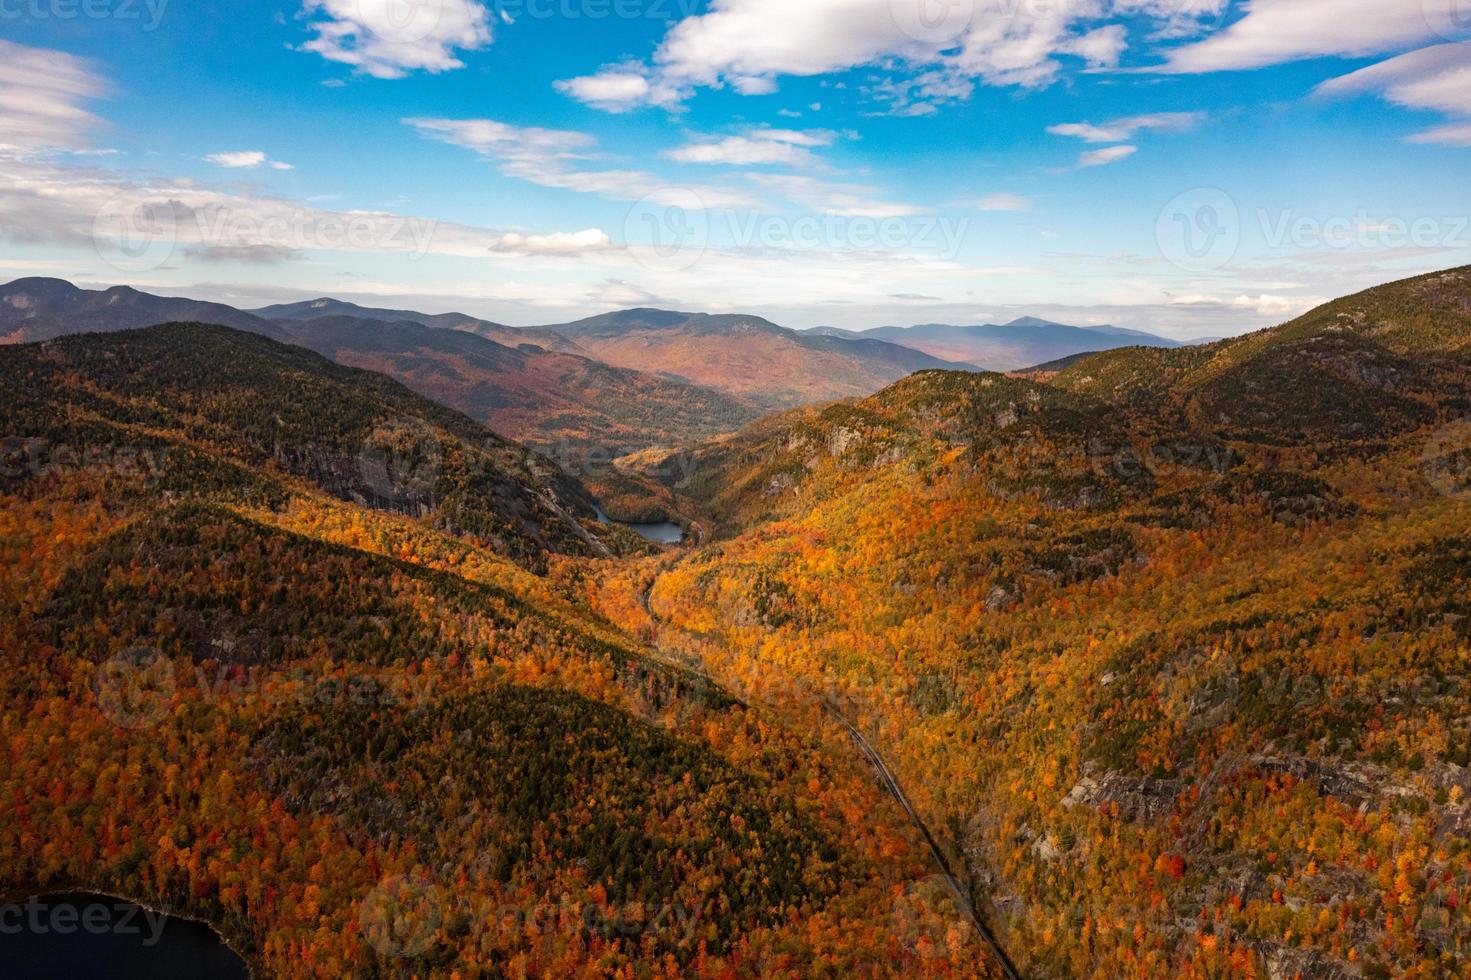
[1022, 343]
[626, 380]
[41, 309]
[748, 356]
[528, 392]
[499, 332]
[547, 398]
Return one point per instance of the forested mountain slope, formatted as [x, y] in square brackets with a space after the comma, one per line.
[1174, 648]
[746, 356]
[552, 400]
[296, 652]
[241, 404]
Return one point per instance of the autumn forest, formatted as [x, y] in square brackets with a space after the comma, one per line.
[1146, 663]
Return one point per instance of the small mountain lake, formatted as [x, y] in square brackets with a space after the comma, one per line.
[82, 934]
[662, 532]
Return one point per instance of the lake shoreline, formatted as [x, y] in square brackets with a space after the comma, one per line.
[24, 895]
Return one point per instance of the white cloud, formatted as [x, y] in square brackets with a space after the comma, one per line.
[42, 201]
[240, 159]
[391, 38]
[1278, 31]
[749, 45]
[1263, 305]
[1436, 78]
[1456, 134]
[619, 292]
[799, 137]
[559, 243]
[555, 158]
[838, 199]
[1176, 19]
[741, 151]
[1121, 130]
[503, 141]
[1005, 202]
[619, 89]
[245, 160]
[41, 92]
[1107, 155]
[759, 146]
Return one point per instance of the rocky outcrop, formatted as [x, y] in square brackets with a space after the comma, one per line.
[1136, 797]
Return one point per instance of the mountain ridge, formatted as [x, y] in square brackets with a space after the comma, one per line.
[747, 356]
[1022, 343]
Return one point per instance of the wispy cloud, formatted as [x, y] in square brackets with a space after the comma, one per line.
[41, 97]
[1279, 31]
[1105, 156]
[829, 197]
[1004, 202]
[758, 146]
[245, 160]
[1436, 78]
[557, 158]
[1123, 130]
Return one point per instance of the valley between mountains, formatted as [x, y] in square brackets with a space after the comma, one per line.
[1062, 651]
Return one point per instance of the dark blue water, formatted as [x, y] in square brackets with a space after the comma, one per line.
[78, 935]
[662, 532]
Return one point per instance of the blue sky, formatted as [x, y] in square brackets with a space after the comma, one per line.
[1195, 167]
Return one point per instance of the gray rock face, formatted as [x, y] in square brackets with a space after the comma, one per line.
[1284, 963]
[1350, 788]
[1137, 797]
[998, 600]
